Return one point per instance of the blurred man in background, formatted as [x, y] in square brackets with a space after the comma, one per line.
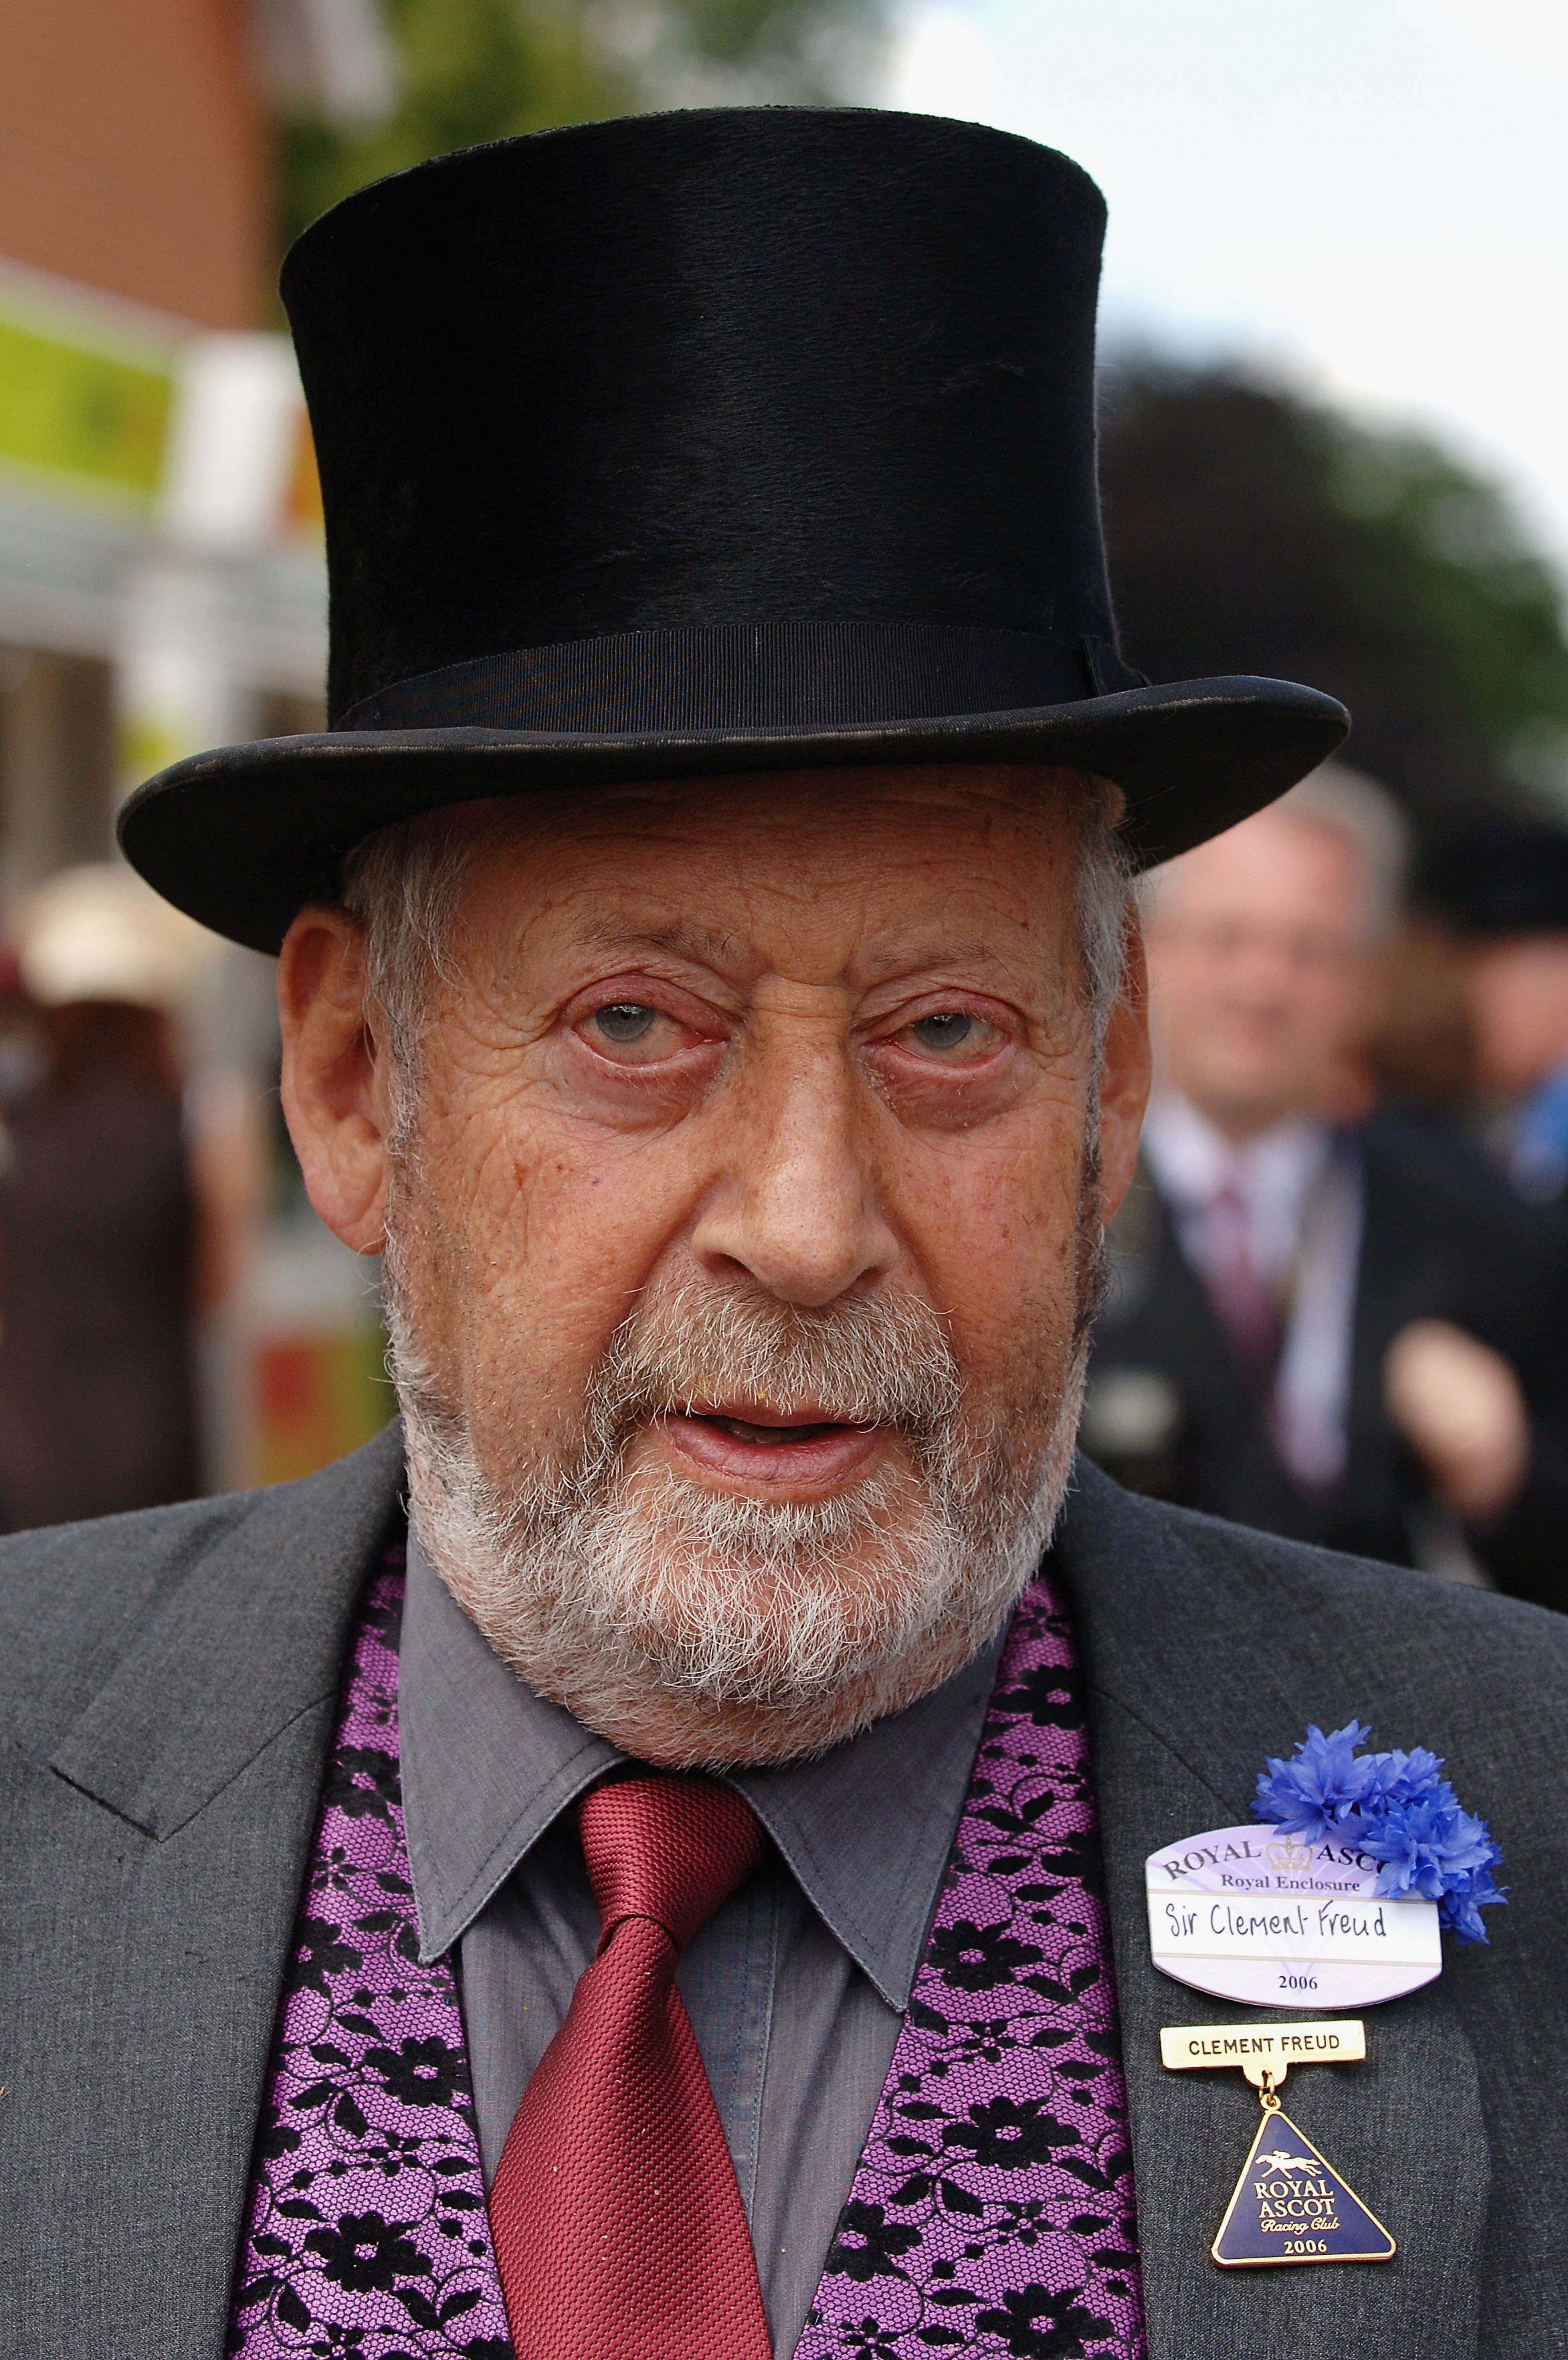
[1503, 889]
[1325, 1321]
[98, 1212]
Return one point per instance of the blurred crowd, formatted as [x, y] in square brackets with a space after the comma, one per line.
[1338, 1304]
[1338, 1291]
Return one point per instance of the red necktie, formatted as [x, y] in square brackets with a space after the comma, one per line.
[1242, 1297]
[618, 2223]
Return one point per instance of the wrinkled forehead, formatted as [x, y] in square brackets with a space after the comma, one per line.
[957, 802]
[975, 855]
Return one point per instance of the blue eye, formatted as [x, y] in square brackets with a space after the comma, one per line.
[624, 1021]
[949, 1030]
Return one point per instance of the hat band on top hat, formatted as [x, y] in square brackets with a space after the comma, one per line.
[764, 676]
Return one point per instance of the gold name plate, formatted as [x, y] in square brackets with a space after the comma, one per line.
[1290, 2205]
[1260, 2049]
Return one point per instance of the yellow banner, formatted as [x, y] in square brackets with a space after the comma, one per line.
[79, 419]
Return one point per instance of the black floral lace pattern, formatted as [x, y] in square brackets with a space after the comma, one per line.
[992, 2209]
[367, 2236]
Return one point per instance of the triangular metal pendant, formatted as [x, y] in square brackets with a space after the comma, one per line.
[1289, 2205]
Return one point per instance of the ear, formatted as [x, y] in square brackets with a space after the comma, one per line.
[1125, 1075]
[335, 1074]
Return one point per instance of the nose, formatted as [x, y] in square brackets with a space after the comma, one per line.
[798, 1209]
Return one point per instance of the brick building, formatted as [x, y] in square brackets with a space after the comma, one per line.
[133, 153]
[161, 584]
[139, 363]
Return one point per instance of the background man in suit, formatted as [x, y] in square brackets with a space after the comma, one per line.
[644, 1902]
[1323, 1320]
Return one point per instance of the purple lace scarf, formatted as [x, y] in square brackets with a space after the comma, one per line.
[991, 2212]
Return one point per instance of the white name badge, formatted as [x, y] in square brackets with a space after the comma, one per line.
[1252, 1915]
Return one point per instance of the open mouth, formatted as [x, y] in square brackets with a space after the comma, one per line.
[752, 1447]
[772, 1437]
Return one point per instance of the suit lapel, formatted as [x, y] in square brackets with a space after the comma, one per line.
[251, 1640]
[185, 1795]
[1203, 1654]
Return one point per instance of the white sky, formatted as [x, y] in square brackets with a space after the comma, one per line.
[1371, 195]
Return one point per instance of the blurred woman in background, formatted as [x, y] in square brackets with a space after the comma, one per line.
[98, 1210]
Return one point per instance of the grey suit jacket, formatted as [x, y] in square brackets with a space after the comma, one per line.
[167, 1683]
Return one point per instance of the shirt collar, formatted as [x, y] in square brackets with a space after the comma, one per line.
[488, 1766]
[1193, 1160]
[1274, 1172]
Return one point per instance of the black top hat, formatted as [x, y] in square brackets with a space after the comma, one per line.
[1507, 876]
[732, 441]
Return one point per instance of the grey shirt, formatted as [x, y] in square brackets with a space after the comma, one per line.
[795, 1988]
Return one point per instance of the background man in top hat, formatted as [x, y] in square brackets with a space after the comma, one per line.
[1504, 890]
[706, 968]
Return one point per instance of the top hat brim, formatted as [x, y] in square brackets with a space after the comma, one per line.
[242, 838]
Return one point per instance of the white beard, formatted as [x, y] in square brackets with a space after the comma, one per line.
[763, 1630]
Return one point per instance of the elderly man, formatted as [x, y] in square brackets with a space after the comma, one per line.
[649, 1907]
[1322, 1322]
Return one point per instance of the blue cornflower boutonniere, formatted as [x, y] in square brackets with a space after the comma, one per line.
[1397, 1810]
